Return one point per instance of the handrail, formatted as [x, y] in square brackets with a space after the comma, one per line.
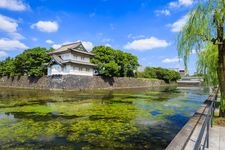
[206, 124]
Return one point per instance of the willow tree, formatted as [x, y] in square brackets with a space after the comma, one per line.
[207, 64]
[206, 25]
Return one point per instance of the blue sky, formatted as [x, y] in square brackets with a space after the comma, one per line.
[145, 28]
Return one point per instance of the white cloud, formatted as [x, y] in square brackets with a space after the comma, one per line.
[3, 54]
[9, 26]
[88, 45]
[16, 36]
[185, 2]
[46, 26]
[56, 46]
[147, 44]
[164, 12]
[7, 44]
[180, 3]
[49, 41]
[108, 45]
[179, 24]
[15, 5]
[171, 60]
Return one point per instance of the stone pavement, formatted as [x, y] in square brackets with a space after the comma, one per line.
[216, 139]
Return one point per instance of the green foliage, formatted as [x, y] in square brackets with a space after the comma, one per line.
[159, 73]
[30, 62]
[205, 26]
[114, 63]
[200, 28]
[7, 67]
[207, 64]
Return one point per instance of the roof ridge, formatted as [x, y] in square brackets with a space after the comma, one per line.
[71, 43]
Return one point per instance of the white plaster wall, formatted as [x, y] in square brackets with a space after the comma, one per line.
[49, 71]
[72, 56]
[81, 70]
[55, 69]
[70, 70]
[80, 58]
[67, 56]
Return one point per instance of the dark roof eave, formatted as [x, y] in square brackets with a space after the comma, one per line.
[58, 52]
[88, 53]
[80, 63]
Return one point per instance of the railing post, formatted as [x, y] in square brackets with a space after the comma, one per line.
[212, 113]
[206, 125]
[207, 134]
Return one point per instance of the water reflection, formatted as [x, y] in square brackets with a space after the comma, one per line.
[115, 119]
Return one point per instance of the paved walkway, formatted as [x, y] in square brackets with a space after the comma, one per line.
[216, 139]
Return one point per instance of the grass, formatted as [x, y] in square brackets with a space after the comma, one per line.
[220, 121]
[151, 79]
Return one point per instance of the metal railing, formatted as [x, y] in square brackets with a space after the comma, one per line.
[204, 132]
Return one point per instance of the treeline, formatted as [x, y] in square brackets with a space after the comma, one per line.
[110, 63]
[30, 63]
[114, 63]
[159, 73]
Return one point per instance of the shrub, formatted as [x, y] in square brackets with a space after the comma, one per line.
[159, 73]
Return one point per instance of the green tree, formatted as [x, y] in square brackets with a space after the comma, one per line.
[114, 63]
[207, 64]
[206, 25]
[7, 67]
[31, 62]
[159, 73]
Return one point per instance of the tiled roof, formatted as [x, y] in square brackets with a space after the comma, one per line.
[79, 62]
[57, 59]
[77, 47]
[60, 61]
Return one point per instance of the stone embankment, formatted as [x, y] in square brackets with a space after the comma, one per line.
[72, 82]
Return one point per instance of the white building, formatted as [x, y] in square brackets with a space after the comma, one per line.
[71, 59]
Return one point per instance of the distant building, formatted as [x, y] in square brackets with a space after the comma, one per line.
[71, 59]
[183, 73]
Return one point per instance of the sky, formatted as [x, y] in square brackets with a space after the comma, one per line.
[145, 28]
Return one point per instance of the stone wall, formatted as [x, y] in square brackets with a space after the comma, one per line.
[25, 82]
[71, 82]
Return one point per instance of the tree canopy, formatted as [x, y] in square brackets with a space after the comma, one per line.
[114, 63]
[207, 64]
[30, 62]
[201, 28]
[159, 73]
[205, 26]
[7, 67]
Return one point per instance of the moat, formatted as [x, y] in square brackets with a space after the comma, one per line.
[103, 119]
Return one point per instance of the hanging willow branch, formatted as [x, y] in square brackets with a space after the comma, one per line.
[201, 28]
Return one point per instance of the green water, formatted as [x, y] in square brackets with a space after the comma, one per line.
[115, 119]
